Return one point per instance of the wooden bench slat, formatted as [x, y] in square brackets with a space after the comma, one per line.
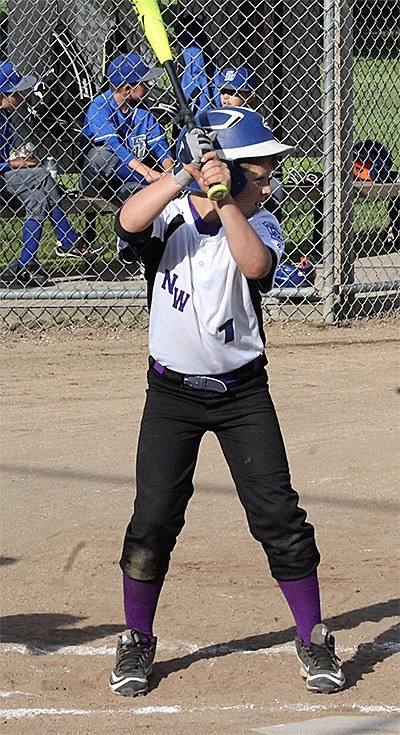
[74, 205]
[364, 189]
[89, 205]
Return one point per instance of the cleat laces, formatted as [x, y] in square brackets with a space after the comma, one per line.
[323, 656]
[131, 654]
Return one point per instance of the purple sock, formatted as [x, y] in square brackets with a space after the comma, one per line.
[140, 603]
[302, 596]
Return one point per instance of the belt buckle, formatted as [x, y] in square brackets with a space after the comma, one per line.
[204, 382]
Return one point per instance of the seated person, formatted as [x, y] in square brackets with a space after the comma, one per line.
[237, 87]
[124, 147]
[25, 183]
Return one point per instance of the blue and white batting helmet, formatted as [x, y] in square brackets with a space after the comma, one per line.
[241, 133]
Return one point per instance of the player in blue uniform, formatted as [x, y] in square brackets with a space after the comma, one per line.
[206, 264]
[237, 87]
[119, 137]
[25, 183]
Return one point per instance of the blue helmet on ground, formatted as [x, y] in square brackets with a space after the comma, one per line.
[293, 275]
[240, 134]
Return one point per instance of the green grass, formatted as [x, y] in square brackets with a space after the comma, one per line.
[370, 223]
[377, 103]
[11, 234]
[376, 110]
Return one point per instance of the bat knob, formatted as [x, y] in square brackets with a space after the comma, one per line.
[217, 192]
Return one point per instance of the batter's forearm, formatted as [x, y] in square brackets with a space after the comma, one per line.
[248, 250]
[144, 206]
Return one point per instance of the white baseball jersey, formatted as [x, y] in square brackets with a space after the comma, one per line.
[202, 317]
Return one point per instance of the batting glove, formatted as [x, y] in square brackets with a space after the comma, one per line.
[193, 146]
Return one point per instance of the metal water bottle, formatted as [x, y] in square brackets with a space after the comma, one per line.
[51, 167]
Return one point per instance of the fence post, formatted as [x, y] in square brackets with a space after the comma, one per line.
[330, 214]
[346, 258]
[338, 251]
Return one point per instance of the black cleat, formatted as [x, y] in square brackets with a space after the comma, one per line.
[10, 273]
[134, 663]
[80, 249]
[31, 274]
[319, 664]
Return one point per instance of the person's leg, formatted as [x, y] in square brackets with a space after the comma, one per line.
[302, 596]
[31, 234]
[63, 229]
[69, 243]
[98, 169]
[140, 604]
[253, 446]
[104, 175]
[38, 193]
[24, 187]
[26, 270]
[169, 440]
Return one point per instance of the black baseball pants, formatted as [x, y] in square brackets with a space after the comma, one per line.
[174, 421]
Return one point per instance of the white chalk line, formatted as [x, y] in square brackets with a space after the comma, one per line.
[179, 646]
[14, 713]
[30, 712]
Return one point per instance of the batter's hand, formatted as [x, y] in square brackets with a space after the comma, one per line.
[213, 171]
[193, 146]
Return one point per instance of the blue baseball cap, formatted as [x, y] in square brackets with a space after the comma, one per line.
[240, 78]
[130, 69]
[11, 81]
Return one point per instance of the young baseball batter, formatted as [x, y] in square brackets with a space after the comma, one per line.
[206, 263]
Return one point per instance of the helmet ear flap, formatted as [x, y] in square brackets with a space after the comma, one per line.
[238, 178]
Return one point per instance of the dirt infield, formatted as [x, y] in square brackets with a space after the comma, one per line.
[71, 406]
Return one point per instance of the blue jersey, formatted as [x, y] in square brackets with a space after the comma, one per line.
[6, 140]
[130, 135]
[194, 80]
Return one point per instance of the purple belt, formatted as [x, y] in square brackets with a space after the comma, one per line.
[217, 383]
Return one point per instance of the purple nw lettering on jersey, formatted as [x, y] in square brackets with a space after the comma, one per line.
[168, 281]
[180, 299]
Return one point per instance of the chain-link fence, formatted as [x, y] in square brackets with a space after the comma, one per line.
[326, 78]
